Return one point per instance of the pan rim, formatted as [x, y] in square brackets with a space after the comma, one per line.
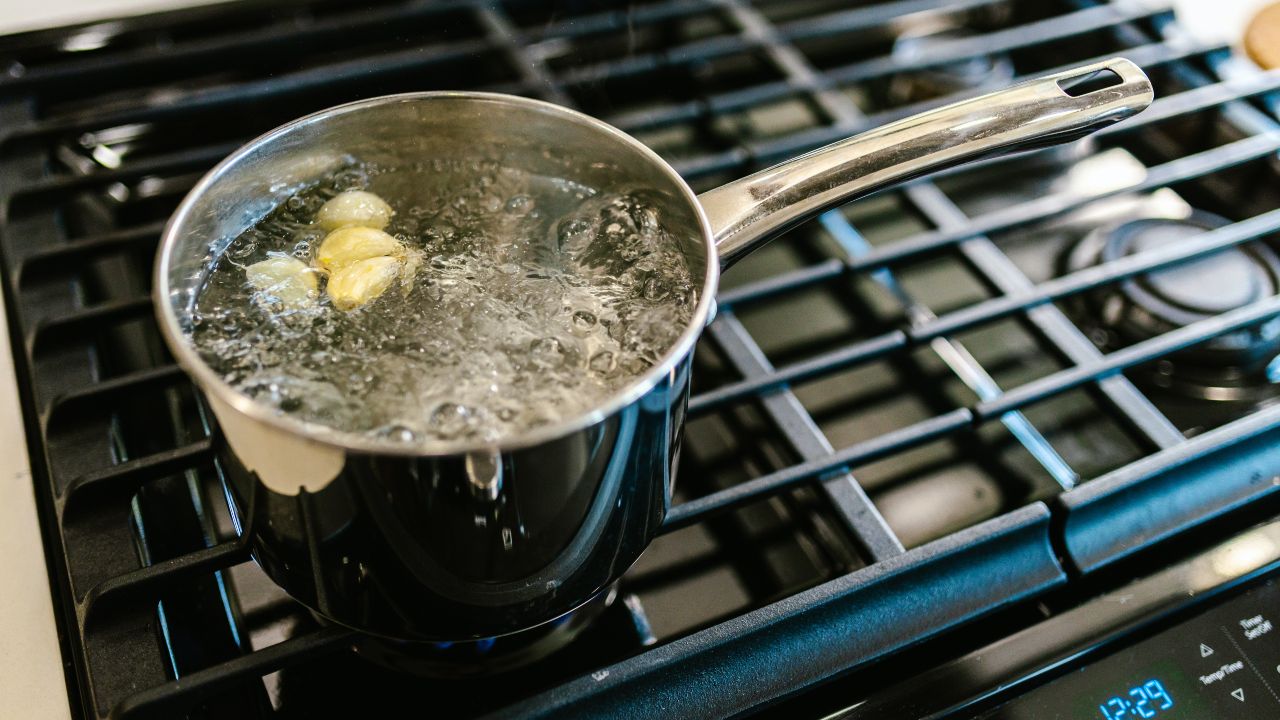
[209, 381]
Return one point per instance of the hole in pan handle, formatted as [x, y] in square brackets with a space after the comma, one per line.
[1089, 82]
[1047, 111]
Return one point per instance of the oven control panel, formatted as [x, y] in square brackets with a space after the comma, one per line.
[1223, 663]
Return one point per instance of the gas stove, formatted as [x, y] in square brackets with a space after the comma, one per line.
[945, 420]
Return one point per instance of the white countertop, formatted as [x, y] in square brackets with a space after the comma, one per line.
[20, 15]
[32, 686]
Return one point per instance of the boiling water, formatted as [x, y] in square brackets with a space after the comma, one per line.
[534, 300]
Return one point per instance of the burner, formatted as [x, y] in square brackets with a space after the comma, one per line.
[983, 71]
[488, 656]
[1237, 367]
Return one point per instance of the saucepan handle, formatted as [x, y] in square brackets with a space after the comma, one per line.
[1048, 111]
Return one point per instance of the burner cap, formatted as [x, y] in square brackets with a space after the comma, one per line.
[1193, 291]
[1158, 302]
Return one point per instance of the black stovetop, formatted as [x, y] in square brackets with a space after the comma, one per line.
[931, 416]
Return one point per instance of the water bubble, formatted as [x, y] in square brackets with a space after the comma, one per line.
[638, 365]
[449, 419]
[572, 233]
[583, 321]
[520, 205]
[547, 352]
[603, 362]
[350, 179]
[433, 290]
[653, 289]
[396, 432]
[243, 249]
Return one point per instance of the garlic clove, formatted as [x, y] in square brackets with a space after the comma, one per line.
[361, 282]
[354, 208]
[346, 246]
[285, 279]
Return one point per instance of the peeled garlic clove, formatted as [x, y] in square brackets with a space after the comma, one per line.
[354, 208]
[347, 246]
[360, 282]
[284, 278]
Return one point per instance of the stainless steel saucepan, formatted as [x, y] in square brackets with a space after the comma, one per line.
[459, 540]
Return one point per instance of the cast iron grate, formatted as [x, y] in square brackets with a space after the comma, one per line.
[809, 533]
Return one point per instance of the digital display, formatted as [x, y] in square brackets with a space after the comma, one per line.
[1140, 701]
[1222, 663]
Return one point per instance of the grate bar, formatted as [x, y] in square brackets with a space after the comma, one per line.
[783, 283]
[1200, 98]
[87, 248]
[251, 93]
[611, 20]
[240, 43]
[185, 161]
[111, 388]
[1156, 497]
[153, 578]
[532, 69]
[888, 443]
[847, 497]
[175, 697]
[697, 51]
[1125, 358]
[1059, 27]
[864, 351]
[875, 16]
[127, 477]
[1180, 251]
[717, 104]
[93, 316]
